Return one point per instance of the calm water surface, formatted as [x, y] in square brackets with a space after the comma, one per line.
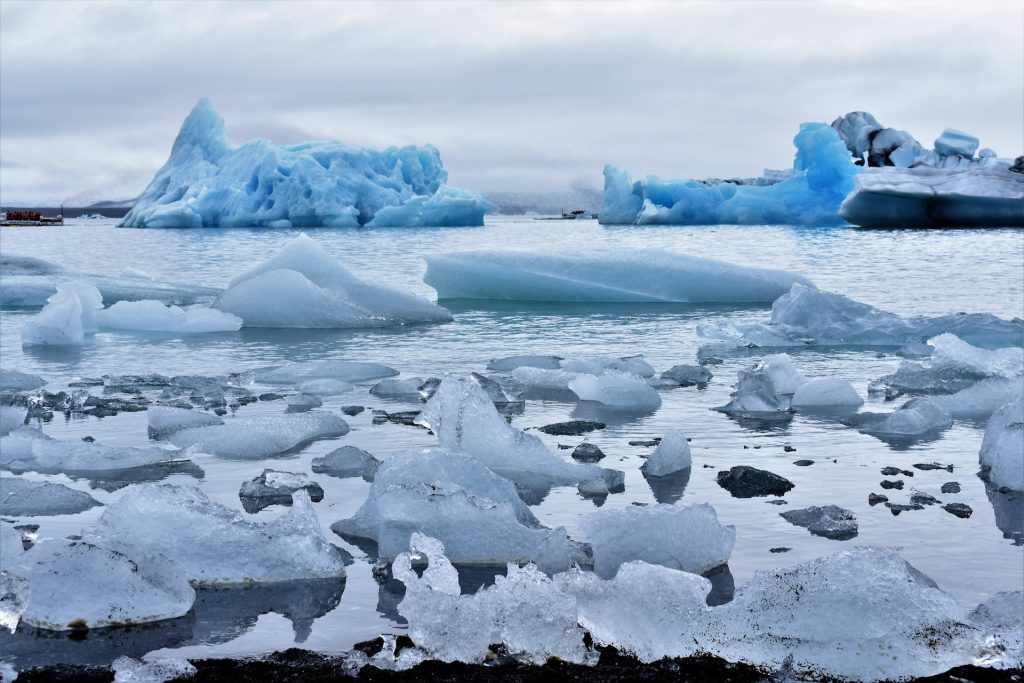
[908, 272]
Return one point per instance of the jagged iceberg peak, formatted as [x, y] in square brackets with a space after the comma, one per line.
[822, 176]
[206, 183]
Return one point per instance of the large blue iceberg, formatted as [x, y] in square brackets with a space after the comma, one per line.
[823, 174]
[207, 184]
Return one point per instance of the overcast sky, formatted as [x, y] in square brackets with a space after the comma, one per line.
[522, 96]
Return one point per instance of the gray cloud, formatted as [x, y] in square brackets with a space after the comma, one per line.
[515, 95]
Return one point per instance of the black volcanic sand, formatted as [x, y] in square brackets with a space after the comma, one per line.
[303, 666]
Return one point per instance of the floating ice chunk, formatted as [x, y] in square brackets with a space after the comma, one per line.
[1002, 450]
[543, 379]
[513, 362]
[391, 386]
[830, 392]
[347, 461]
[165, 420]
[917, 417]
[216, 545]
[25, 450]
[272, 487]
[756, 395]
[77, 585]
[811, 317]
[685, 537]
[11, 417]
[65, 320]
[13, 380]
[616, 390]
[987, 195]
[829, 521]
[260, 437]
[688, 375]
[325, 387]
[856, 129]
[982, 399]
[304, 286]
[303, 401]
[465, 420]
[128, 670]
[862, 614]
[953, 142]
[205, 183]
[154, 316]
[343, 370]
[786, 378]
[954, 365]
[823, 174]
[524, 610]
[672, 455]
[602, 276]
[22, 498]
[649, 611]
[10, 543]
[599, 365]
[14, 595]
[508, 392]
[1001, 618]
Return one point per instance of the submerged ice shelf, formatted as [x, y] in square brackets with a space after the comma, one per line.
[205, 183]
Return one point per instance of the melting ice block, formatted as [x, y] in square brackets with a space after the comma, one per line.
[304, 286]
[206, 184]
[67, 317]
[810, 317]
[936, 197]
[11, 417]
[29, 450]
[465, 420]
[822, 176]
[76, 585]
[166, 420]
[916, 418]
[756, 395]
[830, 392]
[260, 437]
[213, 544]
[154, 316]
[954, 365]
[23, 498]
[602, 276]
[347, 461]
[128, 670]
[342, 370]
[672, 455]
[13, 380]
[616, 390]
[1002, 450]
[685, 537]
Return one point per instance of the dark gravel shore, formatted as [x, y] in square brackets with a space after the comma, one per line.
[302, 666]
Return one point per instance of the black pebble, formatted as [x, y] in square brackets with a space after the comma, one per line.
[951, 487]
[803, 463]
[898, 484]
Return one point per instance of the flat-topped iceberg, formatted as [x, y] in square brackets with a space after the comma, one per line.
[154, 316]
[259, 437]
[213, 544]
[822, 176]
[924, 197]
[205, 183]
[304, 286]
[29, 450]
[602, 276]
[811, 317]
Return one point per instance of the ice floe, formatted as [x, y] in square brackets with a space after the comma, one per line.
[826, 392]
[23, 498]
[347, 461]
[166, 420]
[216, 545]
[154, 316]
[205, 183]
[305, 287]
[29, 450]
[671, 455]
[1002, 450]
[617, 276]
[260, 437]
[341, 370]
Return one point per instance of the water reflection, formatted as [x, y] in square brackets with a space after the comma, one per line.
[1008, 507]
[669, 488]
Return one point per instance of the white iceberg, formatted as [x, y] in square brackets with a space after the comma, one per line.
[619, 276]
[29, 450]
[305, 287]
[684, 537]
[616, 390]
[205, 184]
[917, 417]
[341, 370]
[525, 361]
[465, 420]
[672, 455]
[213, 544]
[11, 417]
[810, 317]
[23, 498]
[260, 437]
[347, 461]
[1002, 450]
[65, 320]
[823, 174]
[756, 395]
[154, 316]
[76, 585]
[826, 392]
[166, 420]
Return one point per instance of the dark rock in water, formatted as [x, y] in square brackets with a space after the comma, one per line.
[587, 452]
[748, 482]
[875, 499]
[891, 471]
[803, 463]
[951, 487]
[270, 396]
[564, 447]
[89, 439]
[777, 501]
[86, 382]
[688, 375]
[572, 427]
[276, 488]
[648, 444]
[711, 360]
[781, 549]
[897, 508]
[352, 410]
[933, 466]
[830, 521]
[923, 499]
[898, 484]
[961, 510]
[220, 411]
[99, 411]
[347, 461]
[405, 417]
[789, 449]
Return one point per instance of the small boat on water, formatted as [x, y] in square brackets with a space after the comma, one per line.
[569, 215]
[30, 218]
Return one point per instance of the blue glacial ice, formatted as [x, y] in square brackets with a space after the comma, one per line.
[205, 183]
[823, 175]
[602, 276]
[303, 286]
